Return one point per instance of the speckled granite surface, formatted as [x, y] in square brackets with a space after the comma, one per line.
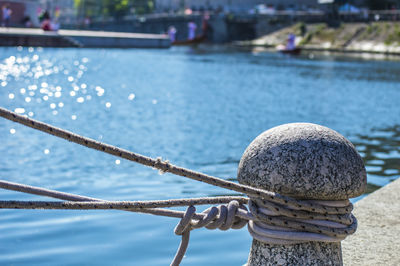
[304, 161]
[311, 253]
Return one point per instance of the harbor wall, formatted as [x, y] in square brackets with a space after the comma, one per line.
[222, 28]
[75, 38]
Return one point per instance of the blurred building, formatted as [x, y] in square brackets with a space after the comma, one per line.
[61, 10]
[20, 10]
[241, 5]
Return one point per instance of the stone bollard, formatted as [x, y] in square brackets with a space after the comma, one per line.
[303, 161]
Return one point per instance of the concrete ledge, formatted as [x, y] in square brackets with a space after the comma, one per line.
[377, 240]
[77, 38]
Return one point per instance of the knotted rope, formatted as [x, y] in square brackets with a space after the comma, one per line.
[272, 218]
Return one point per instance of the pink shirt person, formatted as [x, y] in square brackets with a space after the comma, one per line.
[192, 30]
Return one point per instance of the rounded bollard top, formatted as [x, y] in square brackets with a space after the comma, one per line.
[304, 161]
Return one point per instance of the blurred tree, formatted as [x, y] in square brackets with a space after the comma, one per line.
[112, 8]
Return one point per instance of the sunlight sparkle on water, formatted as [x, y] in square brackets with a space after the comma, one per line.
[32, 87]
[117, 161]
[11, 96]
[108, 104]
[73, 117]
[46, 151]
[131, 96]
[19, 110]
[80, 100]
[12, 131]
[100, 91]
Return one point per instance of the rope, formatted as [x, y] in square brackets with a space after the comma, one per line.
[271, 218]
[165, 166]
[87, 203]
[267, 222]
[222, 217]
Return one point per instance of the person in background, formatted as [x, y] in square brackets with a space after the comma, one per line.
[55, 26]
[172, 33]
[204, 24]
[46, 22]
[27, 22]
[291, 42]
[191, 30]
[86, 23]
[6, 12]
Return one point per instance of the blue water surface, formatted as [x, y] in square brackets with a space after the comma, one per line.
[196, 107]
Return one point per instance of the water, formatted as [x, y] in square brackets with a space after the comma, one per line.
[198, 109]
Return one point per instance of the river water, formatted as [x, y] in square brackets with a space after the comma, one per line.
[197, 108]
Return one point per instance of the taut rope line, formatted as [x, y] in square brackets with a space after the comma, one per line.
[88, 203]
[166, 166]
[272, 218]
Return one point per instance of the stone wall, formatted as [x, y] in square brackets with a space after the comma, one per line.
[223, 28]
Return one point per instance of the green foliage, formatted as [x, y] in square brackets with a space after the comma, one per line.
[318, 32]
[300, 28]
[306, 39]
[77, 3]
[327, 35]
[320, 28]
[369, 29]
[112, 8]
[394, 36]
[374, 28]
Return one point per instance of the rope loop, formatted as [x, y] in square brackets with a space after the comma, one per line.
[184, 223]
[278, 224]
[222, 217]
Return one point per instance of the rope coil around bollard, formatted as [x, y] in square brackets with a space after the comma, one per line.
[271, 218]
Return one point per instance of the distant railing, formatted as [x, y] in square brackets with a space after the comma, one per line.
[370, 16]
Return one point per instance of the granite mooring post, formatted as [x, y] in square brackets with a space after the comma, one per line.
[303, 161]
